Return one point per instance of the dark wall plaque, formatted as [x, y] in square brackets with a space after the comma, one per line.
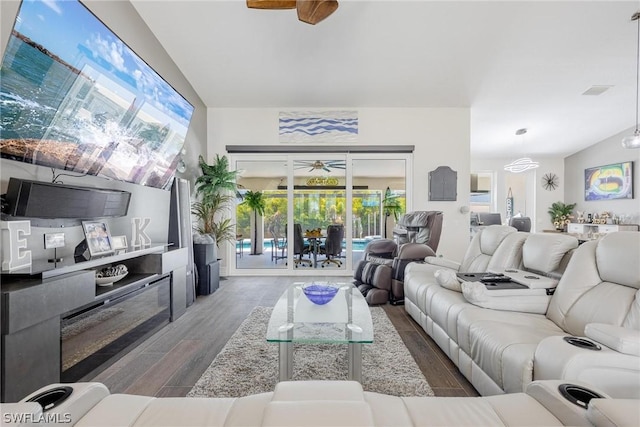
[443, 184]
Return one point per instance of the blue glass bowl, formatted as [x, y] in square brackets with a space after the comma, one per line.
[320, 294]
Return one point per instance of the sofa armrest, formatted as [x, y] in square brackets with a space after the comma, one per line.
[548, 394]
[83, 398]
[23, 414]
[615, 373]
[622, 340]
[442, 262]
[415, 251]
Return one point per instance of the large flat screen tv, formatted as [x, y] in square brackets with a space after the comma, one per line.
[73, 96]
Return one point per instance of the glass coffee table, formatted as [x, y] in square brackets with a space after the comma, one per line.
[346, 319]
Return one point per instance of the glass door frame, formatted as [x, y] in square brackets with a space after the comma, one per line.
[288, 164]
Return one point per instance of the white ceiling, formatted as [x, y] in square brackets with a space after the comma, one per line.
[516, 64]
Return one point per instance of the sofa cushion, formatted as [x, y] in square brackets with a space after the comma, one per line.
[619, 249]
[633, 317]
[504, 351]
[509, 253]
[612, 413]
[482, 247]
[448, 279]
[473, 314]
[543, 251]
[325, 413]
[583, 296]
[444, 306]
[517, 409]
[173, 411]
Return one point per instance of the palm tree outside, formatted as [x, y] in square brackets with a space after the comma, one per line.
[256, 202]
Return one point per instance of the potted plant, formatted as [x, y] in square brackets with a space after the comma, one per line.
[561, 214]
[216, 188]
[255, 201]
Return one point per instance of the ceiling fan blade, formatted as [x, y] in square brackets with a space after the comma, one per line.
[314, 11]
[326, 169]
[271, 4]
[312, 169]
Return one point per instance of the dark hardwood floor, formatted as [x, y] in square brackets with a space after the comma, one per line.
[171, 361]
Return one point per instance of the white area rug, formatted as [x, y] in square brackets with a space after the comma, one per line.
[248, 364]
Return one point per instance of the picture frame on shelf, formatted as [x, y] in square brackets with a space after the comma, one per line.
[54, 240]
[119, 243]
[98, 238]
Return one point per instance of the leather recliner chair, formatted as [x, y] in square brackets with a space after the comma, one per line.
[416, 236]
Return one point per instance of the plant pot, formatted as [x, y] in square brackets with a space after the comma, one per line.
[207, 268]
[204, 253]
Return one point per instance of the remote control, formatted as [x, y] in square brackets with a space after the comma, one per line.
[496, 279]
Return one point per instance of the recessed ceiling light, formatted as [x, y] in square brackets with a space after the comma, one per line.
[596, 90]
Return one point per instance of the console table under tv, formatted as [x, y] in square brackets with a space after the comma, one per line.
[46, 310]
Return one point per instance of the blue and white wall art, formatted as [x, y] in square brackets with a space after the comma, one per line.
[319, 127]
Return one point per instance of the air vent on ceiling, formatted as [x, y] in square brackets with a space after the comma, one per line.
[596, 90]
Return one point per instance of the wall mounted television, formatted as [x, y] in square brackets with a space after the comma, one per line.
[74, 96]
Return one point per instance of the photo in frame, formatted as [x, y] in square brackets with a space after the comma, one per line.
[614, 181]
[54, 240]
[98, 238]
[119, 242]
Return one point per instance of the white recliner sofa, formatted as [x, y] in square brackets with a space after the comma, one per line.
[321, 403]
[589, 332]
[421, 286]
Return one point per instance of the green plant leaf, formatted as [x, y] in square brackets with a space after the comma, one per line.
[255, 200]
[217, 188]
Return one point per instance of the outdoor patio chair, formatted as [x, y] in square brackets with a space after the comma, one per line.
[299, 247]
[332, 246]
[278, 244]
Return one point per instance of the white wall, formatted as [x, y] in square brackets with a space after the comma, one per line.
[533, 199]
[440, 135]
[123, 20]
[603, 153]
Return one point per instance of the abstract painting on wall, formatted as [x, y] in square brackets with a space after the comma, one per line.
[319, 127]
[608, 182]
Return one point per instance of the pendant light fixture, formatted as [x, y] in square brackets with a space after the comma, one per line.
[523, 164]
[633, 141]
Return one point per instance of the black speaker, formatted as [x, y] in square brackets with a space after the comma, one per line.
[35, 199]
[180, 229]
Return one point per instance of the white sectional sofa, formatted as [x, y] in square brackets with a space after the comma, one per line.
[322, 403]
[502, 350]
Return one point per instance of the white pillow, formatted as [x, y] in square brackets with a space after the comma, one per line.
[448, 279]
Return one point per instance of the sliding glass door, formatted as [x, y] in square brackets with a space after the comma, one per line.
[261, 239]
[378, 199]
[320, 210]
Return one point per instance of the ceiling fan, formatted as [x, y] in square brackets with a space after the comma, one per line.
[309, 11]
[318, 165]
